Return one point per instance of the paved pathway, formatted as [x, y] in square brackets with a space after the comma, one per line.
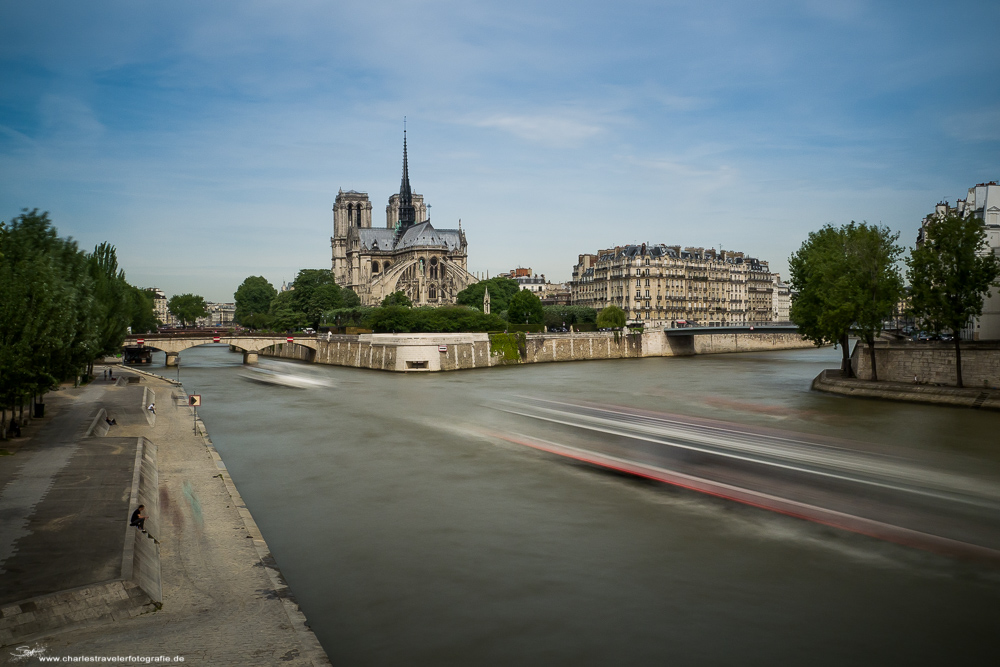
[220, 606]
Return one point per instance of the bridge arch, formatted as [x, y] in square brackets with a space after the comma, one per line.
[250, 345]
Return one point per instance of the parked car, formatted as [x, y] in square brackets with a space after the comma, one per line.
[946, 337]
[923, 337]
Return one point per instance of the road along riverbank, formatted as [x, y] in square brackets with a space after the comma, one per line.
[222, 598]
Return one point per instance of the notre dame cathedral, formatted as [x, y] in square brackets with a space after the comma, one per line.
[407, 255]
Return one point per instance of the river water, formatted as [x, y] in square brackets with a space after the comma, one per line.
[410, 533]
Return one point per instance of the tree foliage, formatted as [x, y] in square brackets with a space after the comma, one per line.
[557, 316]
[400, 319]
[950, 276]
[284, 315]
[525, 307]
[60, 308]
[845, 280]
[315, 292]
[876, 284]
[501, 292]
[611, 317]
[397, 299]
[187, 308]
[253, 301]
[142, 316]
[112, 309]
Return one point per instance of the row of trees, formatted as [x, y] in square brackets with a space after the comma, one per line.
[315, 299]
[848, 282]
[60, 309]
[313, 293]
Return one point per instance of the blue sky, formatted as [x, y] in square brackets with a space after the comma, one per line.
[207, 141]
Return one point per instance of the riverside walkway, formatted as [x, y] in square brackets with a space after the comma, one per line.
[66, 492]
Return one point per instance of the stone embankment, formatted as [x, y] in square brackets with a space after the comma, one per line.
[447, 352]
[930, 363]
[78, 581]
[831, 381]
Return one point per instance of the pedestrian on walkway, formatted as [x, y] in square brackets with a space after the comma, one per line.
[138, 518]
[152, 408]
[105, 373]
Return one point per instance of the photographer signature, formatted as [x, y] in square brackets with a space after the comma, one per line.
[23, 652]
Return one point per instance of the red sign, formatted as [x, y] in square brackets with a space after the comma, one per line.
[442, 348]
[215, 339]
[140, 341]
[289, 339]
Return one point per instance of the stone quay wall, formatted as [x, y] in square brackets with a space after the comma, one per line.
[459, 351]
[930, 363]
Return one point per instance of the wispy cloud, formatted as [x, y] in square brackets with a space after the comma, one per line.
[553, 129]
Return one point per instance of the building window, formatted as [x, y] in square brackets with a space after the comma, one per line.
[432, 293]
[374, 267]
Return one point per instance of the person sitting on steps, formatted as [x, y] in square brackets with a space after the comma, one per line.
[138, 518]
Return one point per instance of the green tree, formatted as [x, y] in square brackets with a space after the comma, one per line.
[187, 308]
[555, 316]
[47, 328]
[142, 317]
[847, 281]
[112, 299]
[611, 317]
[315, 291]
[391, 319]
[525, 306]
[501, 292]
[350, 298]
[876, 284]
[253, 301]
[821, 307]
[950, 275]
[397, 299]
[284, 314]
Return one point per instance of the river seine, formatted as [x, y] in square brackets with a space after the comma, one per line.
[412, 533]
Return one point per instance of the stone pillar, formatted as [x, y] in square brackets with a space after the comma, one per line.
[172, 358]
[250, 358]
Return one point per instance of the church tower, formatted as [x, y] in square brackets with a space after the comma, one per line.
[351, 210]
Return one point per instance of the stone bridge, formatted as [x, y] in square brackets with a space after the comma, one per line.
[249, 344]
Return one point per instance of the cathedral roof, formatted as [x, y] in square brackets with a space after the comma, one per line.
[422, 235]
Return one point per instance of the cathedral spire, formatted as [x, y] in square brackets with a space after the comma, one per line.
[407, 214]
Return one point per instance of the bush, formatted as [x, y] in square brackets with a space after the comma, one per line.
[427, 319]
[611, 317]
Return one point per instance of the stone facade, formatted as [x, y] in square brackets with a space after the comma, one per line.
[930, 363]
[408, 255]
[666, 286]
[447, 352]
